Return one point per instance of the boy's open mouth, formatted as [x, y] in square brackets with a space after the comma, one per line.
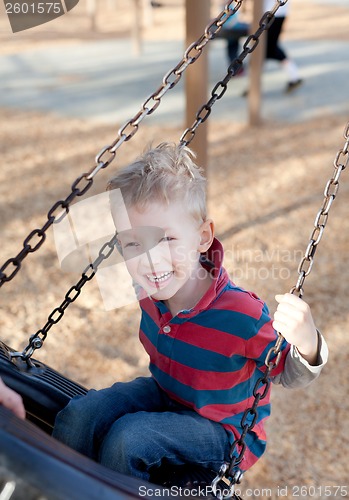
[159, 278]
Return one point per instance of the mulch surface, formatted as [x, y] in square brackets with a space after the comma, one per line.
[265, 189]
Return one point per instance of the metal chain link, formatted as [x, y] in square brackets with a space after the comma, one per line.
[330, 192]
[229, 472]
[220, 88]
[36, 341]
[105, 157]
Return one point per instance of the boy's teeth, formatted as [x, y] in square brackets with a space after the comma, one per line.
[156, 279]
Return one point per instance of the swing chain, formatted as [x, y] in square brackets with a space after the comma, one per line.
[330, 192]
[36, 340]
[220, 88]
[11, 267]
[229, 472]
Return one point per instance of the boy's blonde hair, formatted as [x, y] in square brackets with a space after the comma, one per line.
[163, 174]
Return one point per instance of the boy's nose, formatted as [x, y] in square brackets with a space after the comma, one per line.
[151, 259]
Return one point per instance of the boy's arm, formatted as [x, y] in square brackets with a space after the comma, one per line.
[297, 371]
[309, 352]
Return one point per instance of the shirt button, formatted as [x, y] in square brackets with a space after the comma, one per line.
[166, 329]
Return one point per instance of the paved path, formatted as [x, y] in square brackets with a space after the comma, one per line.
[103, 81]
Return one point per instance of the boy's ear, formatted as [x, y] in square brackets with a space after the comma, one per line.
[206, 235]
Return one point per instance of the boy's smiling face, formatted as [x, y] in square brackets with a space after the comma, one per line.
[162, 249]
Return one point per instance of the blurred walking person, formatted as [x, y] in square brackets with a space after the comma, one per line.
[275, 51]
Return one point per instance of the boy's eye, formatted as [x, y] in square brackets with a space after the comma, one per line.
[131, 244]
[167, 238]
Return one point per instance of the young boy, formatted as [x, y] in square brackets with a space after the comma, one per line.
[207, 339]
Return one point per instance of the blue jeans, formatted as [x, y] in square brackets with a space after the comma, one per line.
[134, 427]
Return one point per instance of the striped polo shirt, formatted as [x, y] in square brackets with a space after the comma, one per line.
[210, 357]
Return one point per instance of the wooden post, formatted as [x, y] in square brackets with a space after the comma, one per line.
[256, 69]
[136, 29]
[91, 8]
[197, 17]
[148, 18]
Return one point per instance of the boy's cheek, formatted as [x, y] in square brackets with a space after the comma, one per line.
[131, 268]
[184, 256]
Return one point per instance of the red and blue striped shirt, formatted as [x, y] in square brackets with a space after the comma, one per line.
[210, 357]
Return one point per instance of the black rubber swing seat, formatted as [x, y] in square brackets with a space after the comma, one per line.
[38, 466]
[44, 391]
[35, 462]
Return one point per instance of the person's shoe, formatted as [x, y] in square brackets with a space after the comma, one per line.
[291, 86]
